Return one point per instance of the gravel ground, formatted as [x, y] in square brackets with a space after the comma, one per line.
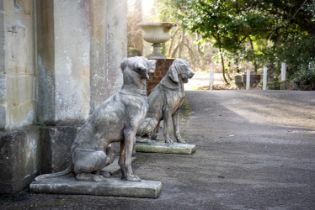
[255, 150]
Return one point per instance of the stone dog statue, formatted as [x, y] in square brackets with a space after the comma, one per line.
[165, 101]
[115, 120]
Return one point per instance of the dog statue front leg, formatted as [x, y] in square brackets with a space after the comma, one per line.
[167, 117]
[126, 156]
[176, 128]
[154, 134]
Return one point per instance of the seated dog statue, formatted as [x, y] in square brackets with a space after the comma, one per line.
[165, 101]
[115, 120]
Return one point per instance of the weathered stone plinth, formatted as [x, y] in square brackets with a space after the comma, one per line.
[55, 143]
[19, 163]
[146, 145]
[109, 187]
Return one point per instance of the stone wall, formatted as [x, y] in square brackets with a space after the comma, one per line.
[19, 149]
[17, 73]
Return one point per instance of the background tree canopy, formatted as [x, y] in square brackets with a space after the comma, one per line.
[255, 31]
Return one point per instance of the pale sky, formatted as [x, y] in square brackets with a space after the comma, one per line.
[147, 6]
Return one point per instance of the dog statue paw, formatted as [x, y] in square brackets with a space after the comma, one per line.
[168, 140]
[181, 140]
[131, 178]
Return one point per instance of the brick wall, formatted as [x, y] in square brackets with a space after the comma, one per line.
[162, 66]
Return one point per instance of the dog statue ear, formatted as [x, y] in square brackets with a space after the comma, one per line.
[124, 64]
[173, 74]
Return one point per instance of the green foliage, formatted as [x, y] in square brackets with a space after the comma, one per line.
[310, 8]
[304, 78]
[256, 31]
[297, 52]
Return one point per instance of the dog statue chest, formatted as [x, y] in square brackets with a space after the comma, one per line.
[174, 98]
[136, 106]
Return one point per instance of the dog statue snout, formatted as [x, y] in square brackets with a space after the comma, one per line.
[191, 74]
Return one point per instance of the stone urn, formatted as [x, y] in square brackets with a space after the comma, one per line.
[156, 33]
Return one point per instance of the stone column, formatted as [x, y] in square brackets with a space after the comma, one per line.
[63, 61]
[64, 77]
[18, 139]
[108, 47]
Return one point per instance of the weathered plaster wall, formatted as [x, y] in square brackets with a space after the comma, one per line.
[2, 85]
[17, 64]
[108, 47]
[63, 61]
[2, 42]
[72, 59]
[98, 52]
[19, 151]
[116, 43]
[2, 69]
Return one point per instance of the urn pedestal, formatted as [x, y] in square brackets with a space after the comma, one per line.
[157, 34]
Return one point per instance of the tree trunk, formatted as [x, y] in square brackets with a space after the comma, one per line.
[255, 62]
[180, 50]
[223, 66]
[173, 38]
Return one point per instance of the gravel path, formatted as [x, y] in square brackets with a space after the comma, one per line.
[202, 79]
[256, 150]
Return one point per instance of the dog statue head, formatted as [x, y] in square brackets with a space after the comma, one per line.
[180, 71]
[139, 65]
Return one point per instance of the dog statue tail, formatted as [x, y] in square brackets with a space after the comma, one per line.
[147, 127]
[68, 170]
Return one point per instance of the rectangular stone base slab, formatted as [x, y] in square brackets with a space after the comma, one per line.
[109, 187]
[146, 145]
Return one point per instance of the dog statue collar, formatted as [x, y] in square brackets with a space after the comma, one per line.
[168, 88]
